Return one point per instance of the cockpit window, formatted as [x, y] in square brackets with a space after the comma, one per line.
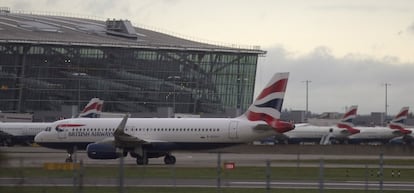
[58, 129]
[48, 129]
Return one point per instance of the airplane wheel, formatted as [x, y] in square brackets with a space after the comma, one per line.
[169, 160]
[142, 161]
[69, 160]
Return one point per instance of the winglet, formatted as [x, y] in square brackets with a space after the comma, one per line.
[120, 130]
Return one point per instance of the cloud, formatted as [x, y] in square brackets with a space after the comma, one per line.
[339, 82]
[411, 28]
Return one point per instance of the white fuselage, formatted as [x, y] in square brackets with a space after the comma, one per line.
[23, 129]
[20, 132]
[155, 130]
[374, 134]
[312, 133]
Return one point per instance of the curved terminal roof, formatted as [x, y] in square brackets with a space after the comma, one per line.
[47, 29]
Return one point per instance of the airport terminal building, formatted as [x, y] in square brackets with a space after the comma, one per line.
[48, 61]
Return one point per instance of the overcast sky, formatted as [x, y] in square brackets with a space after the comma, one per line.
[347, 48]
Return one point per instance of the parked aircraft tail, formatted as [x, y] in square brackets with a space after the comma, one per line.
[92, 109]
[268, 104]
[347, 120]
[399, 121]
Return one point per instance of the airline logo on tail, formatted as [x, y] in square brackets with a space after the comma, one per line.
[92, 109]
[347, 121]
[399, 121]
[401, 116]
[268, 104]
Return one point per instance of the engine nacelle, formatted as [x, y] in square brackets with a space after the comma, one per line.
[103, 151]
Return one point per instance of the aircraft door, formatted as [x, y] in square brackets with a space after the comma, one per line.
[233, 129]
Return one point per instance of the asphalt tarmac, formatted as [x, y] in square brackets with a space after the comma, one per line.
[37, 156]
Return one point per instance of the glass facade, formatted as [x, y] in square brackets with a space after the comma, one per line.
[45, 77]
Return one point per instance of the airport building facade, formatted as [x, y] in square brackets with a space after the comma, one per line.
[49, 61]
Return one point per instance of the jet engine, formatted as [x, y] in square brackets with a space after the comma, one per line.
[103, 151]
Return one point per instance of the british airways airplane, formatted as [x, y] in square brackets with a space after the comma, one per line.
[24, 132]
[394, 129]
[322, 134]
[144, 138]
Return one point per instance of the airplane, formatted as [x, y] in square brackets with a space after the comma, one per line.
[305, 132]
[382, 134]
[24, 132]
[144, 138]
[405, 139]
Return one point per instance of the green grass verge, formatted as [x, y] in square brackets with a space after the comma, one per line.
[394, 162]
[173, 190]
[277, 173]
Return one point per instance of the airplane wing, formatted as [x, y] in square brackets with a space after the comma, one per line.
[124, 140]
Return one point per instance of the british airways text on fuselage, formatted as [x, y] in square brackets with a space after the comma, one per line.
[89, 133]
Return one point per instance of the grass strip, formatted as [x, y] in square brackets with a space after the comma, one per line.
[258, 173]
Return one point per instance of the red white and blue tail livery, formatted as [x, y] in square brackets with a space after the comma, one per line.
[347, 120]
[399, 121]
[268, 104]
[93, 109]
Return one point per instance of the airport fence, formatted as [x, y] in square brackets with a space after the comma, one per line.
[322, 175]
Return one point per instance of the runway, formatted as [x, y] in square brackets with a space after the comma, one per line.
[37, 156]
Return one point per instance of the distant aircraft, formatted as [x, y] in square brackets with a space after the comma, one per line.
[382, 134]
[322, 134]
[145, 138]
[405, 139]
[93, 109]
[24, 132]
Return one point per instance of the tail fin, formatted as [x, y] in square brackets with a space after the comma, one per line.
[401, 116]
[268, 104]
[92, 109]
[399, 121]
[347, 120]
[350, 115]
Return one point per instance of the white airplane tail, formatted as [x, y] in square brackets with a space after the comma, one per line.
[268, 104]
[347, 120]
[398, 122]
[93, 109]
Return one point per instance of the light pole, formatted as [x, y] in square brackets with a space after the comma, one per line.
[386, 99]
[307, 98]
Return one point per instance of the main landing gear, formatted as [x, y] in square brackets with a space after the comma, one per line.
[169, 159]
[70, 151]
[143, 160]
[69, 158]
